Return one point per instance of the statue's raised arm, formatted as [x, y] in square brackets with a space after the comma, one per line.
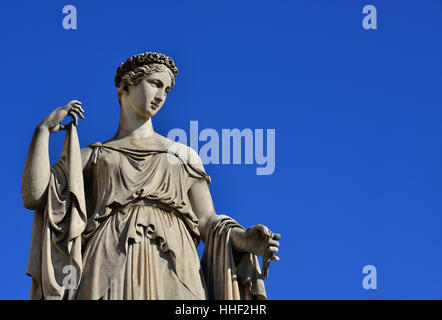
[37, 166]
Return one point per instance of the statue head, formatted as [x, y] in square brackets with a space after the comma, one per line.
[145, 80]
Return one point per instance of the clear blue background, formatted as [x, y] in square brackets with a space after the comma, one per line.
[357, 114]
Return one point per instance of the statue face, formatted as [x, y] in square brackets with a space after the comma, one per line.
[147, 97]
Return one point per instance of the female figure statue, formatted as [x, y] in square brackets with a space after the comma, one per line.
[122, 219]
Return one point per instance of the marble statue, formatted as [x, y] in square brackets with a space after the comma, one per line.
[128, 213]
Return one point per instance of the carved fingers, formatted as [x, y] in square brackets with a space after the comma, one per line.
[263, 242]
[271, 250]
[273, 245]
[74, 109]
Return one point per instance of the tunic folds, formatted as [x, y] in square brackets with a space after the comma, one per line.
[122, 218]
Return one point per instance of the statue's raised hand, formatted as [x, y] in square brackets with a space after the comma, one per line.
[53, 121]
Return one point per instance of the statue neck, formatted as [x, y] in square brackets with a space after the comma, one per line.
[133, 126]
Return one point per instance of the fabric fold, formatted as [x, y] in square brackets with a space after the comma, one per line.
[55, 254]
[229, 275]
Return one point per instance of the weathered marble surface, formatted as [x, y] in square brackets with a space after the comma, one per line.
[127, 213]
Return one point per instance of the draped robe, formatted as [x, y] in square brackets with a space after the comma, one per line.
[120, 221]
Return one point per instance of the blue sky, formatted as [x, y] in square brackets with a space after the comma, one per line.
[357, 113]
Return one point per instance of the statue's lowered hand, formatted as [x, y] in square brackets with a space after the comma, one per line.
[260, 240]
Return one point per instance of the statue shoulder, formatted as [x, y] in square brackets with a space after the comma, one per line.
[185, 152]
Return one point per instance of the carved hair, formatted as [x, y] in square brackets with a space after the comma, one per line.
[138, 67]
[139, 74]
